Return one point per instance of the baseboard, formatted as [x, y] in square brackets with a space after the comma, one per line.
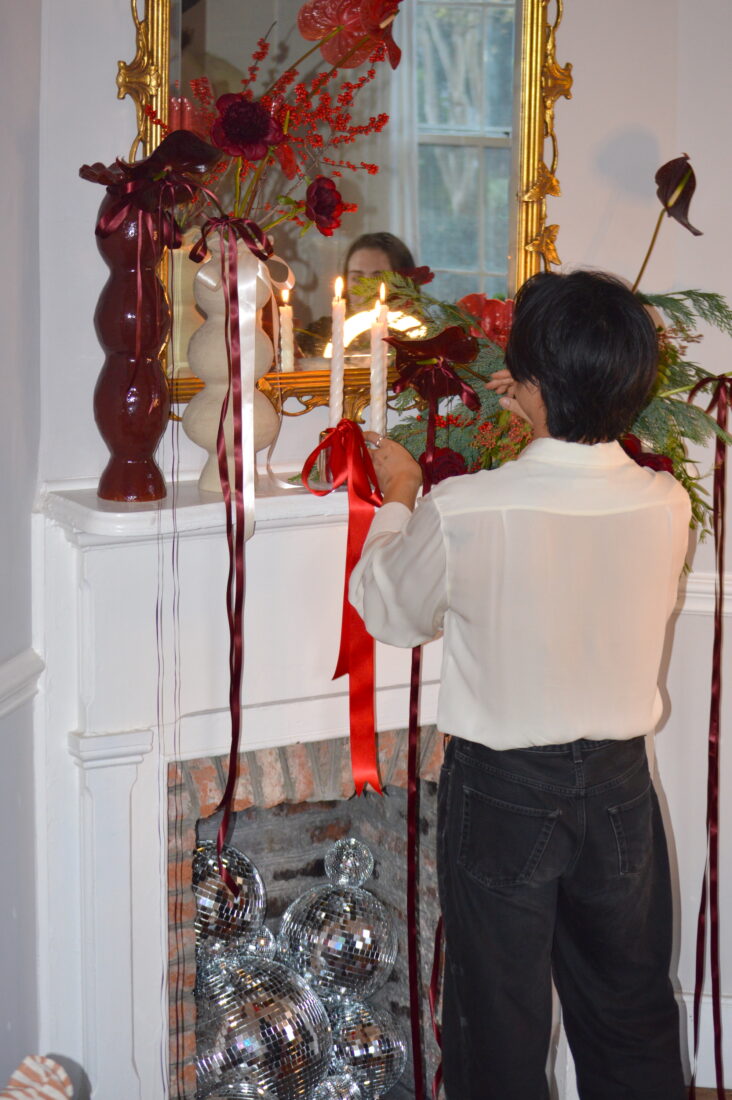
[705, 1063]
[19, 680]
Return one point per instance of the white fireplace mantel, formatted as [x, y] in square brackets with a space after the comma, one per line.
[131, 626]
[134, 634]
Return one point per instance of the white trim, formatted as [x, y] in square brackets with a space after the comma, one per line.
[696, 594]
[19, 680]
[705, 1071]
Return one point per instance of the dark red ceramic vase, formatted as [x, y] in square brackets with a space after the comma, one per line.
[132, 320]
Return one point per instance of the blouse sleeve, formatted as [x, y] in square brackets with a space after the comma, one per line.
[399, 586]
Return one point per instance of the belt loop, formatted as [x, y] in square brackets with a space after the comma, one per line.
[576, 751]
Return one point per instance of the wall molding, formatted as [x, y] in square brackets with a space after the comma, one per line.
[696, 596]
[19, 680]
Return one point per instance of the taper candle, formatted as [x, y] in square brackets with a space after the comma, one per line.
[337, 362]
[379, 329]
[287, 341]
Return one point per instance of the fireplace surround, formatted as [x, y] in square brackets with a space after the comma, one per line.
[132, 629]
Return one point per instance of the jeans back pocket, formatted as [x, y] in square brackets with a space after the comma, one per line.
[632, 824]
[501, 844]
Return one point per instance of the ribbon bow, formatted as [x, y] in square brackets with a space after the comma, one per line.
[245, 229]
[350, 464]
[721, 387]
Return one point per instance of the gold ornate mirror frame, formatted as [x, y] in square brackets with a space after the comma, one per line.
[543, 81]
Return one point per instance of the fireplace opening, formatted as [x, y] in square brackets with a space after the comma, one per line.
[292, 804]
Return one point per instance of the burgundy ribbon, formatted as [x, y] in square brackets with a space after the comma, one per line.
[242, 228]
[434, 997]
[350, 464]
[235, 530]
[415, 996]
[721, 386]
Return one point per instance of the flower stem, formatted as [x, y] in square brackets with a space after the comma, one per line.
[647, 256]
[305, 56]
[248, 199]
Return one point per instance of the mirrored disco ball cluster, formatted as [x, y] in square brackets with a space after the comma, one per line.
[294, 1027]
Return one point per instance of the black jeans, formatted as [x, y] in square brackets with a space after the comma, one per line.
[554, 861]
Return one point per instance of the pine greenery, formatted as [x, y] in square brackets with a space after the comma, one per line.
[665, 426]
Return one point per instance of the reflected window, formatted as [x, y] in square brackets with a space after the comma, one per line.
[464, 109]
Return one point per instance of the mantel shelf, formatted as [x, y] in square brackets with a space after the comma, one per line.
[87, 520]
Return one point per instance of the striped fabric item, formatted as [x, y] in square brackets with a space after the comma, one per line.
[38, 1078]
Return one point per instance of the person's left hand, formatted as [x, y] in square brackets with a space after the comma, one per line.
[501, 381]
[399, 476]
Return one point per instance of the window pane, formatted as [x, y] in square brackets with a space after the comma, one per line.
[449, 68]
[497, 168]
[499, 69]
[448, 206]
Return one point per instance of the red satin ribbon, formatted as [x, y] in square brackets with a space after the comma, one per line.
[235, 529]
[350, 464]
[721, 386]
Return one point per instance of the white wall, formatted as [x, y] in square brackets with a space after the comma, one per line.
[19, 386]
[652, 81]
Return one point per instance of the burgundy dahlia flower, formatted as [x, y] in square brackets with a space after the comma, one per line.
[324, 205]
[244, 128]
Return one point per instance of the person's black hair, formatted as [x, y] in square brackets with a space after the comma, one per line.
[590, 345]
[400, 258]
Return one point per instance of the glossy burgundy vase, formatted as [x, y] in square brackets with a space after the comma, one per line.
[132, 319]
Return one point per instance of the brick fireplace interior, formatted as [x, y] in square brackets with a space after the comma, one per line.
[291, 804]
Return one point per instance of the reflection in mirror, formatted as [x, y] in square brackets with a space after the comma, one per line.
[466, 163]
[445, 159]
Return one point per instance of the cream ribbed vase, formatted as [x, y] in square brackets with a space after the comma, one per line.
[207, 359]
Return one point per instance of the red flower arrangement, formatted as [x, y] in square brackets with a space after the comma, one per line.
[296, 128]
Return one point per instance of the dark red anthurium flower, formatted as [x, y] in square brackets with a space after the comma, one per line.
[171, 175]
[324, 205]
[445, 463]
[420, 276]
[426, 365]
[180, 152]
[676, 184]
[361, 25]
[633, 447]
[244, 128]
[494, 316]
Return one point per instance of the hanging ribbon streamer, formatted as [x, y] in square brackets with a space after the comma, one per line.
[240, 272]
[721, 386]
[350, 464]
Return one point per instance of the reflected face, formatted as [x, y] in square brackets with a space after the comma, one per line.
[364, 263]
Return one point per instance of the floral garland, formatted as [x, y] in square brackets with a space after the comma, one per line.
[469, 439]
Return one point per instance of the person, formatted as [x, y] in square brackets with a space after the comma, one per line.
[552, 580]
[370, 255]
[367, 256]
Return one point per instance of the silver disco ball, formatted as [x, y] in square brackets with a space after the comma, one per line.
[265, 1031]
[349, 863]
[215, 958]
[341, 939]
[368, 1045]
[219, 914]
[340, 1087]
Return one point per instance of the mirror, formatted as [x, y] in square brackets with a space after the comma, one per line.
[471, 131]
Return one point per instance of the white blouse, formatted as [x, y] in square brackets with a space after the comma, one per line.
[552, 579]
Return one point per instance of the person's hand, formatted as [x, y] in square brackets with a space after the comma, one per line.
[399, 476]
[501, 382]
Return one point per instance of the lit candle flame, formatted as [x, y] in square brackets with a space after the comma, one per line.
[382, 293]
[339, 288]
[285, 296]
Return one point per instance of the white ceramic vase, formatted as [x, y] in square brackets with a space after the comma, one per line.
[208, 360]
